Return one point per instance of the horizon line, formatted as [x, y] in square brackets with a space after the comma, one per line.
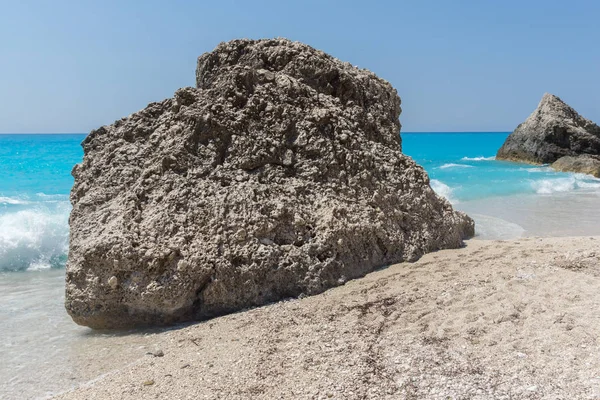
[85, 133]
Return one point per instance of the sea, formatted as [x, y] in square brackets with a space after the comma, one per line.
[42, 352]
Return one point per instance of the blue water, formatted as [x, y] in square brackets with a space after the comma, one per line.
[462, 168]
[35, 180]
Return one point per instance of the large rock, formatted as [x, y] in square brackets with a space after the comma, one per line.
[585, 164]
[280, 175]
[552, 131]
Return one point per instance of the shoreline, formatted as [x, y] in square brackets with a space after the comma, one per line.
[560, 214]
[495, 318]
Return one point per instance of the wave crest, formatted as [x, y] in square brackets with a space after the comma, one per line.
[568, 184]
[478, 158]
[34, 238]
[12, 200]
[443, 190]
[452, 165]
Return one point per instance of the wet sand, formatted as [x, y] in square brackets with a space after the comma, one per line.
[540, 215]
[42, 351]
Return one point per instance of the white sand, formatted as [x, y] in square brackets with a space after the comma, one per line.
[514, 319]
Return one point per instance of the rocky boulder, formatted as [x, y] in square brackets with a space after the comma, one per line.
[552, 131]
[585, 164]
[280, 175]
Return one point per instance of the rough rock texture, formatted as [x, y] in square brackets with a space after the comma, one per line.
[585, 164]
[280, 175]
[552, 131]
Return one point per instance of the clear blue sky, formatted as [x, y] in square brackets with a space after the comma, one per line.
[71, 66]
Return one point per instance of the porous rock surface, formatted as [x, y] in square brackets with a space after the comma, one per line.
[280, 175]
[552, 131]
[585, 164]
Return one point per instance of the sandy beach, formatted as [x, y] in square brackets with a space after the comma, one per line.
[496, 319]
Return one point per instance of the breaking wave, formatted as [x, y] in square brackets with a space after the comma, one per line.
[537, 169]
[478, 158]
[452, 165]
[12, 201]
[566, 184]
[35, 237]
[443, 190]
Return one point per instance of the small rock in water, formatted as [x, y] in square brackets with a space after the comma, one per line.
[584, 164]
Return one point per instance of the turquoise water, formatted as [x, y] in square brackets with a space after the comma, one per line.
[35, 180]
[462, 167]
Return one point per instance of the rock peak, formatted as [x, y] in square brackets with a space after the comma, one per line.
[552, 131]
[549, 97]
[298, 64]
[553, 101]
[555, 107]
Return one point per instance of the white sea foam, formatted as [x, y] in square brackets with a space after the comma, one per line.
[443, 190]
[52, 196]
[478, 158]
[451, 165]
[589, 185]
[46, 198]
[537, 169]
[567, 184]
[12, 200]
[34, 238]
[556, 185]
